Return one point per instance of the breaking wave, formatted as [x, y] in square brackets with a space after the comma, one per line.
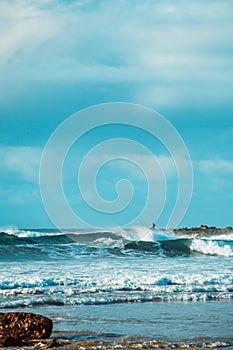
[41, 244]
[47, 267]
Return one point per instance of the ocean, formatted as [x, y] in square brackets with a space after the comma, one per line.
[120, 282]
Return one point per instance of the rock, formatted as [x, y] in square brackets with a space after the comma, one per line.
[16, 328]
[203, 227]
[47, 344]
[203, 231]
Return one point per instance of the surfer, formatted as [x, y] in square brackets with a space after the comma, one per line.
[153, 226]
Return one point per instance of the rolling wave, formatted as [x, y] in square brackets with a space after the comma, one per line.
[47, 267]
[48, 244]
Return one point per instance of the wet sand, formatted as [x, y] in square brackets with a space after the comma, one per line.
[77, 341]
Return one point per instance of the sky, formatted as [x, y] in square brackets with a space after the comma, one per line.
[173, 57]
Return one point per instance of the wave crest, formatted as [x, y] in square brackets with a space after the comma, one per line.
[41, 244]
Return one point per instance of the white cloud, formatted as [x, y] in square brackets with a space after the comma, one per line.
[216, 168]
[22, 161]
[132, 165]
[156, 43]
[217, 175]
[19, 196]
[24, 28]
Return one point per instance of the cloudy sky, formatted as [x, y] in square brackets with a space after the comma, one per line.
[58, 57]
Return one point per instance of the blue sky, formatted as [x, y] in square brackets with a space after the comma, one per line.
[58, 57]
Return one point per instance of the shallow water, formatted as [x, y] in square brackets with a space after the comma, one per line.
[174, 320]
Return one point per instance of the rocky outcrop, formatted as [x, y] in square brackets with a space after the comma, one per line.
[16, 328]
[203, 230]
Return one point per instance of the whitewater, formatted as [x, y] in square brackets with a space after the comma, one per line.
[120, 280]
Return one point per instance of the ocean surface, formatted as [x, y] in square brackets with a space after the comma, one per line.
[123, 282]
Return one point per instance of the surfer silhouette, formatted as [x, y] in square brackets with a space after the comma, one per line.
[153, 225]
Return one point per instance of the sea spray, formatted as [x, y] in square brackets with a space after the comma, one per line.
[212, 247]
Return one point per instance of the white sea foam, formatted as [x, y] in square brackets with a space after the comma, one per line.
[143, 233]
[211, 247]
[109, 280]
[10, 230]
[31, 234]
[223, 237]
[109, 242]
[15, 231]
